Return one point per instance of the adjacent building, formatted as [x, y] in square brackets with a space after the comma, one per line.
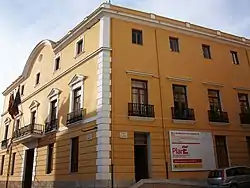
[128, 95]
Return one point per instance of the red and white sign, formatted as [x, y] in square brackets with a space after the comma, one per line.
[191, 151]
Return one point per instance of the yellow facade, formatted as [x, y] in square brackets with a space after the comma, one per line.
[106, 67]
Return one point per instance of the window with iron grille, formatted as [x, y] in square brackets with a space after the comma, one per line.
[244, 104]
[180, 97]
[206, 51]
[174, 44]
[2, 165]
[49, 158]
[77, 99]
[137, 36]
[235, 57]
[74, 154]
[214, 100]
[139, 92]
[221, 150]
[13, 164]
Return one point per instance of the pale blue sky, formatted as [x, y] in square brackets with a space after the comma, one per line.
[23, 23]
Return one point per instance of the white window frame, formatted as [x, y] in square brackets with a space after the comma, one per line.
[76, 82]
[34, 107]
[83, 45]
[54, 65]
[53, 95]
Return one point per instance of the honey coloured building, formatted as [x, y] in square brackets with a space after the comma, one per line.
[124, 96]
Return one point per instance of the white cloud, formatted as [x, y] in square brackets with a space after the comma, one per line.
[24, 23]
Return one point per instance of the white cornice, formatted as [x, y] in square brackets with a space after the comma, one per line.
[179, 79]
[242, 88]
[139, 73]
[213, 84]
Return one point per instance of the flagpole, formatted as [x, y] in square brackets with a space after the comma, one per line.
[10, 154]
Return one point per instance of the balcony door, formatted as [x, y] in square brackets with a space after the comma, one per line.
[244, 103]
[214, 100]
[53, 110]
[77, 99]
[139, 92]
[33, 118]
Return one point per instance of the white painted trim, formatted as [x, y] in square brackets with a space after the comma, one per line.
[137, 73]
[178, 79]
[34, 164]
[242, 88]
[34, 105]
[247, 126]
[76, 82]
[213, 84]
[103, 98]
[138, 118]
[219, 124]
[7, 121]
[179, 121]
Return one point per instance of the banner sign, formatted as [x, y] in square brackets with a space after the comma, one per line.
[191, 151]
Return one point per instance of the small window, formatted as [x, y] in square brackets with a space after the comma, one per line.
[206, 51]
[6, 131]
[137, 36]
[22, 89]
[174, 44]
[235, 58]
[57, 63]
[13, 163]
[49, 158]
[37, 78]
[79, 47]
[74, 155]
[2, 165]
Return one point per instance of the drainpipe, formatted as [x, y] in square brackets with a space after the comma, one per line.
[161, 101]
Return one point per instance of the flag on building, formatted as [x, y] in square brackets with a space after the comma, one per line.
[14, 103]
[11, 102]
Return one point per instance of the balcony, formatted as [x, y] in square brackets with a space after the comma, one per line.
[182, 114]
[245, 118]
[28, 133]
[75, 116]
[218, 116]
[141, 110]
[51, 126]
[5, 143]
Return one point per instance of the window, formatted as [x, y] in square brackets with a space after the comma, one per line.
[244, 104]
[214, 100]
[22, 90]
[13, 163]
[33, 117]
[6, 131]
[139, 92]
[180, 97]
[235, 58]
[49, 158]
[53, 110]
[17, 124]
[221, 150]
[77, 99]
[174, 44]
[137, 36]
[74, 155]
[79, 47]
[2, 165]
[248, 145]
[206, 51]
[37, 78]
[57, 63]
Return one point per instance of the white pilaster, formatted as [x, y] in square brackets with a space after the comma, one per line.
[103, 121]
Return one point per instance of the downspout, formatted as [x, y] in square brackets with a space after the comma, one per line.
[161, 101]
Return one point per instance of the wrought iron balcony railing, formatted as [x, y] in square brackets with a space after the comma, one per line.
[4, 143]
[142, 110]
[31, 129]
[245, 118]
[218, 116]
[52, 125]
[75, 116]
[183, 114]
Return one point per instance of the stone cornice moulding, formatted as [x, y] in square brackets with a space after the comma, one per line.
[242, 88]
[137, 73]
[179, 79]
[88, 57]
[213, 84]
[54, 92]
